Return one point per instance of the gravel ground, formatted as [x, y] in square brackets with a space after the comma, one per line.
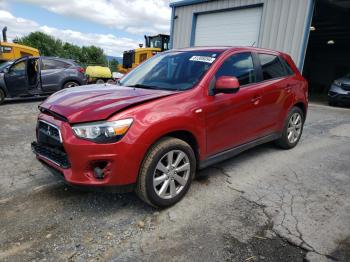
[266, 204]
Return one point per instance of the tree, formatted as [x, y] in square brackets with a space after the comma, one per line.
[47, 45]
[71, 51]
[93, 54]
[113, 65]
[50, 46]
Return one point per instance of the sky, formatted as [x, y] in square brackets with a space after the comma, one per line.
[113, 25]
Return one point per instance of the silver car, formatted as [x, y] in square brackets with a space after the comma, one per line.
[339, 93]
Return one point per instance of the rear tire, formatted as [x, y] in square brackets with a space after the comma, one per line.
[70, 84]
[2, 96]
[100, 81]
[111, 82]
[293, 128]
[332, 103]
[166, 172]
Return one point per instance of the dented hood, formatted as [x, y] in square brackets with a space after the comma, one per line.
[97, 102]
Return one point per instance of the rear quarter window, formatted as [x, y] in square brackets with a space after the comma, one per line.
[271, 66]
[287, 67]
[54, 64]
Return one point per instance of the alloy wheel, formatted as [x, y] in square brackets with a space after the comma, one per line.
[294, 128]
[72, 84]
[171, 174]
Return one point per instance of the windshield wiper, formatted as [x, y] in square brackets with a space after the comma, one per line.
[144, 86]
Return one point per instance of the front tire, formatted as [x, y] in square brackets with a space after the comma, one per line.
[292, 130]
[166, 173]
[70, 84]
[2, 96]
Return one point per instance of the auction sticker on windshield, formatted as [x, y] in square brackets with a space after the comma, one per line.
[205, 59]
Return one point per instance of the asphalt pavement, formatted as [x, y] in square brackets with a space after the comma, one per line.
[266, 204]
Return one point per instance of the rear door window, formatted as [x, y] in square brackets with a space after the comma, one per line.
[271, 66]
[240, 66]
[53, 64]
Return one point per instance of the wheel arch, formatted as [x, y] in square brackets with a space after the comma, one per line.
[4, 88]
[303, 108]
[186, 136]
[65, 81]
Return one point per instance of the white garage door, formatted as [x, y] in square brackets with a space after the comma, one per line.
[235, 27]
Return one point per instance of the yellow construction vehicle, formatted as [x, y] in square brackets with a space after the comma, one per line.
[153, 45]
[10, 51]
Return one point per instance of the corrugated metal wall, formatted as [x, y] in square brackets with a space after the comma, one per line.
[282, 26]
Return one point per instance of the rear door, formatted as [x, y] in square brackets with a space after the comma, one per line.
[52, 71]
[277, 89]
[16, 78]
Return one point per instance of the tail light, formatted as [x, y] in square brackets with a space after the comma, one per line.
[81, 70]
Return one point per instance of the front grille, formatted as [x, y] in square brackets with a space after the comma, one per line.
[48, 134]
[346, 87]
[54, 154]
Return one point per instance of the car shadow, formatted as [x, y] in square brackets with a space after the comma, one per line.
[24, 100]
[239, 159]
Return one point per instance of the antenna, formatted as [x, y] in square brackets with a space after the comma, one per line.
[253, 43]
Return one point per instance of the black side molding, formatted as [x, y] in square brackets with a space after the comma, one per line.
[222, 156]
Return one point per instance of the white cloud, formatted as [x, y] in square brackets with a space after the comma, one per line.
[134, 16]
[112, 45]
[3, 5]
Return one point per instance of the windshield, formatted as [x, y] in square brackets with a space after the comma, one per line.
[5, 64]
[171, 70]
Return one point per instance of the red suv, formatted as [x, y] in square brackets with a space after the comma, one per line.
[180, 111]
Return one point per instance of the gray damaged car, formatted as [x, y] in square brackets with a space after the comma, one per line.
[38, 76]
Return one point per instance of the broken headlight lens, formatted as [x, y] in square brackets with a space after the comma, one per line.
[103, 132]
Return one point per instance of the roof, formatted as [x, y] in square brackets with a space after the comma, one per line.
[187, 2]
[203, 48]
[225, 48]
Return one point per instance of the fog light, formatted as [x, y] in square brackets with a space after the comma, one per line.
[98, 173]
[100, 169]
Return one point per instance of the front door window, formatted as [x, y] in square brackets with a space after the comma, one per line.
[18, 69]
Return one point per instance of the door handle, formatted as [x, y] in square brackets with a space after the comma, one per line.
[288, 88]
[256, 99]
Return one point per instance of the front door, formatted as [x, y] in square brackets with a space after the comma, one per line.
[235, 119]
[16, 78]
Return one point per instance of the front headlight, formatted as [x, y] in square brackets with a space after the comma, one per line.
[337, 83]
[103, 132]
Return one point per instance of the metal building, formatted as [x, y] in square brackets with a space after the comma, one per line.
[276, 24]
[316, 33]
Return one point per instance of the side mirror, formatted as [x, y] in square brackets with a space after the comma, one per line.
[227, 85]
[5, 70]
